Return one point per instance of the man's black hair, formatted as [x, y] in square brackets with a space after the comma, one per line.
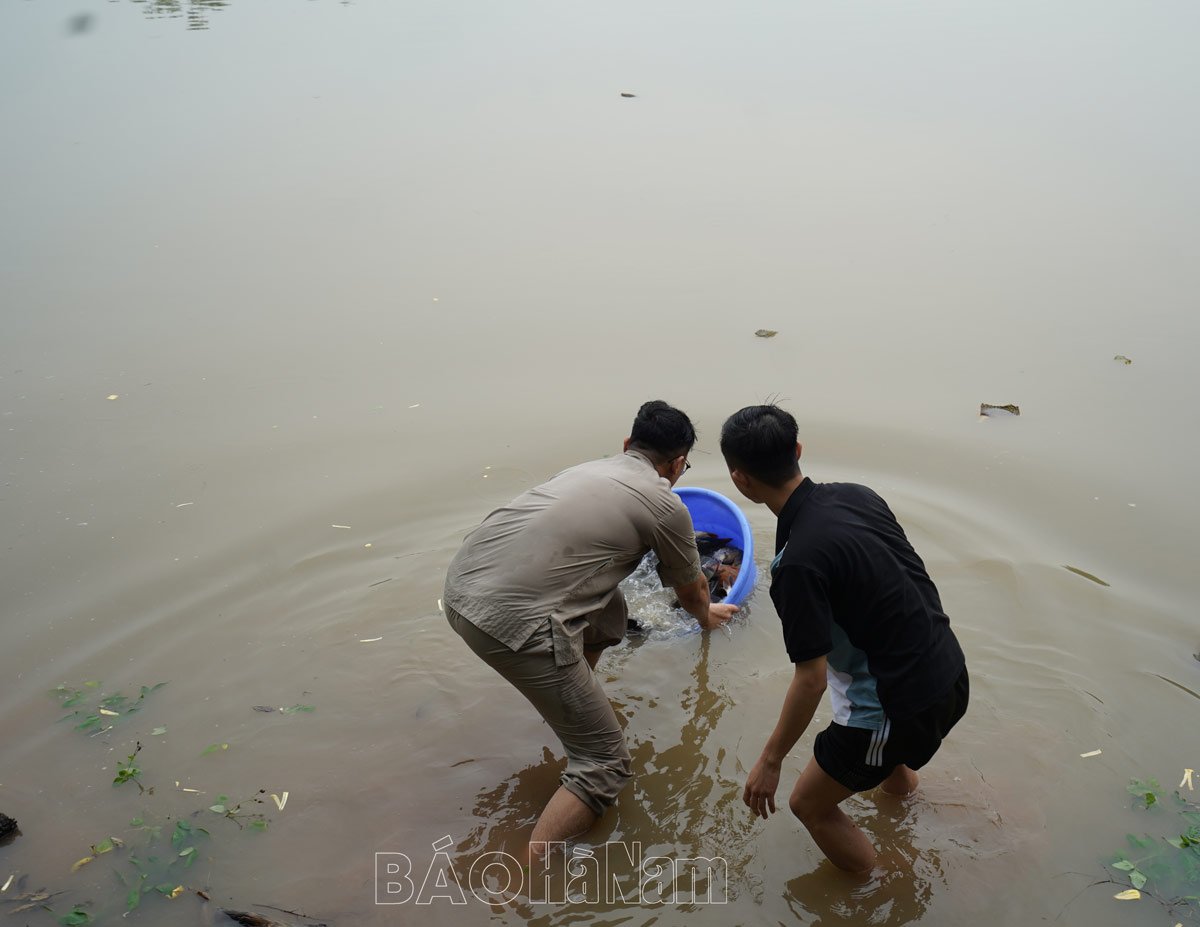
[662, 431]
[761, 442]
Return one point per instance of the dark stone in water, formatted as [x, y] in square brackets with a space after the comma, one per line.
[250, 919]
[8, 828]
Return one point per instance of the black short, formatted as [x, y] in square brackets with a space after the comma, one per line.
[860, 759]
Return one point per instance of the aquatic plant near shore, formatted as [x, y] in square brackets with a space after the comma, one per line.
[255, 820]
[128, 772]
[106, 710]
[145, 866]
[1169, 862]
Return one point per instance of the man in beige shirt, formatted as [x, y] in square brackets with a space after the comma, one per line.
[533, 592]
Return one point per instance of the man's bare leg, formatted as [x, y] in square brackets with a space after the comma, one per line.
[815, 801]
[901, 783]
[564, 816]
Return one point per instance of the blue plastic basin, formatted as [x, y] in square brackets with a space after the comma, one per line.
[713, 512]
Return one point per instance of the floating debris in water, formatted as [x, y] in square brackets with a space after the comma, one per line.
[986, 408]
[766, 333]
[264, 708]
[113, 396]
[344, 527]
[1187, 780]
[80, 23]
[1123, 359]
[280, 801]
[627, 95]
[182, 504]
[1086, 575]
[1179, 686]
[369, 640]
[1084, 756]
[1130, 894]
[8, 883]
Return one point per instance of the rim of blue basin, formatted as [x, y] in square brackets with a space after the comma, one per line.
[711, 511]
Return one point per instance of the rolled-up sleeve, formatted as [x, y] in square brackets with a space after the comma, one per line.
[674, 540]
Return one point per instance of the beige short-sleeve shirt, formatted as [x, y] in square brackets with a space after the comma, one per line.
[559, 550]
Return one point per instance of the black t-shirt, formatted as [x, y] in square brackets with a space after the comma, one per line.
[842, 559]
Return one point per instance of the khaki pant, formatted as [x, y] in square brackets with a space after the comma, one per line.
[571, 701]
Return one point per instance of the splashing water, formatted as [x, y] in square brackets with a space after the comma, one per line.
[656, 609]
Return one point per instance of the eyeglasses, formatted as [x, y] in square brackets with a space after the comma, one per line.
[687, 465]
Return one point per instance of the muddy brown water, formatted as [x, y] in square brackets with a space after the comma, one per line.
[383, 266]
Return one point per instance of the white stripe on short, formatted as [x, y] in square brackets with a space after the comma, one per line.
[878, 741]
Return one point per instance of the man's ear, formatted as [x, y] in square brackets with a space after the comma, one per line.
[742, 482]
[799, 450]
[625, 446]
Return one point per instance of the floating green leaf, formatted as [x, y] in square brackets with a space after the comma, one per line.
[1148, 790]
[76, 917]
[1124, 865]
[1137, 879]
[181, 833]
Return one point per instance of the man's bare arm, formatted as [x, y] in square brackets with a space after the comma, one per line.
[694, 598]
[799, 705]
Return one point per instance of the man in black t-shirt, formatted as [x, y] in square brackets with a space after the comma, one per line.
[860, 617]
